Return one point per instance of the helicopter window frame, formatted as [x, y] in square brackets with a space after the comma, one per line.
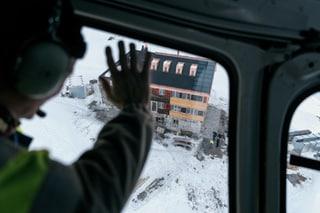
[217, 56]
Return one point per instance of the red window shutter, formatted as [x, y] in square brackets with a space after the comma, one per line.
[156, 91]
[167, 94]
[167, 106]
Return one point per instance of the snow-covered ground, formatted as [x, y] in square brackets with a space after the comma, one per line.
[305, 197]
[173, 180]
[67, 131]
[188, 185]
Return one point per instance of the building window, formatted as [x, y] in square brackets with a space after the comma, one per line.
[188, 111]
[154, 64]
[193, 70]
[160, 120]
[303, 142]
[196, 98]
[154, 91]
[161, 91]
[161, 105]
[179, 68]
[166, 66]
[184, 110]
[174, 94]
[175, 108]
[153, 106]
[201, 197]
[200, 113]
[180, 95]
[167, 93]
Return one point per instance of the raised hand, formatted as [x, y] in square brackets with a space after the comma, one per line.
[130, 85]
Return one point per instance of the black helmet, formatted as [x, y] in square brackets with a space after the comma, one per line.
[38, 38]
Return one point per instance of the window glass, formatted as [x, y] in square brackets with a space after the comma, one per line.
[193, 70]
[161, 91]
[187, 168]
[196, 97]
[303, 184]
[179, 68]
[161, 105]
[166, 66]
[153, 106]
[154, 64]
[200, 113]
[174, 94]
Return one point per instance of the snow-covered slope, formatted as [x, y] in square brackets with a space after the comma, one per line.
[188, 185]
[68, 130]
[304, 197]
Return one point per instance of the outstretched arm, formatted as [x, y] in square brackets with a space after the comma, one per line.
[108, 172]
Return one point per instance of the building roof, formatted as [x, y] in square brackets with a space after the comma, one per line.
[202, 82]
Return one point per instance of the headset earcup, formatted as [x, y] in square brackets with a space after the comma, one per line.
[41, 70]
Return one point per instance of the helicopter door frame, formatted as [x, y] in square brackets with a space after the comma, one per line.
[290, 83]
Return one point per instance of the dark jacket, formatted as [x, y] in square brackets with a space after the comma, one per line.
[101, 180]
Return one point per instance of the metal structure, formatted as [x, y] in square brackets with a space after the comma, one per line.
[306, 143]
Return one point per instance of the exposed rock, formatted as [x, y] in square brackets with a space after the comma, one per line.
[153, 186]
[296, 178]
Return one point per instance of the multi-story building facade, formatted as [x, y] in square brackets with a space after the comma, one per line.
[180, 88]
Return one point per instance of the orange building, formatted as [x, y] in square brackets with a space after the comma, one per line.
[180, 90]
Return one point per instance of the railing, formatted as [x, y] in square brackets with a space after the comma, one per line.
[160, 98]
[163, 111]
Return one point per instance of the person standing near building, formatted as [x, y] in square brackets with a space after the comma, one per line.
[38, 51]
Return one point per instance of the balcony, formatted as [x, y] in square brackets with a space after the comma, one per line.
[188, 103]
[163, 111]
[160, 98]
[182, 115]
